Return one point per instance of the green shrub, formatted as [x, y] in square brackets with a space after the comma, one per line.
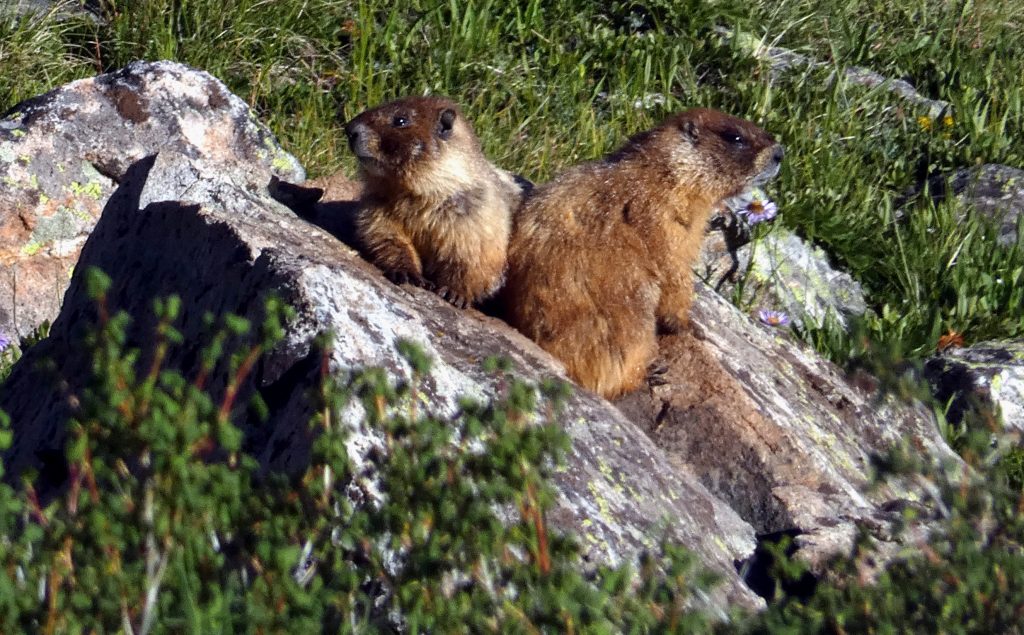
[167, 525]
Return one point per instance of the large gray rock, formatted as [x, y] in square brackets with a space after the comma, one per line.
[780, 433]
[194, 227]
[984, 375]
[63, 153]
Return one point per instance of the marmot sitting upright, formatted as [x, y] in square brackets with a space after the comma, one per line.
[601, 256]
[433, 211]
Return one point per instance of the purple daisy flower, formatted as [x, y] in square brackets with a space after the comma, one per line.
[759, 211]
[773, 318]
[5, 341]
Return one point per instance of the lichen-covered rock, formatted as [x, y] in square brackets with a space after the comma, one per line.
[63, 153]
[995, 192]
[781, 271]
[986, 374]
[189, 227]
[778, 432]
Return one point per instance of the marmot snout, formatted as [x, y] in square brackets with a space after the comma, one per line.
[602, 255]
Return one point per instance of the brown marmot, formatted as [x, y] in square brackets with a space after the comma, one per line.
[601, 256]
[433, 211]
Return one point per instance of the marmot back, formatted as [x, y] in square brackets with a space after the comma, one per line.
[433, 211]
[602, 255]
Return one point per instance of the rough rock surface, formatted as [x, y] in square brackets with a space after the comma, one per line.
[189, 227]
[781, 271]
[995, 192]
[778, 432]
[63, 153]
[987, 374]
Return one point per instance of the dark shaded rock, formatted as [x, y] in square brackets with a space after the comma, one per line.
[994, 192]
[988, 376]
[63, 153]
[760, 570]
[335, 210]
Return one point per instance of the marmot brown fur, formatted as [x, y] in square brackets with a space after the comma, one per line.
[433, 210]
[601, 256]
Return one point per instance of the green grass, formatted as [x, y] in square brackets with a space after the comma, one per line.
[548, 84]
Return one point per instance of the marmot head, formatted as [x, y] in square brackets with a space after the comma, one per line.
[421, 145]
[726, 155]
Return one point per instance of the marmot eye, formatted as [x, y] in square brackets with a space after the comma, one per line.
[734, 139]
[398, 121]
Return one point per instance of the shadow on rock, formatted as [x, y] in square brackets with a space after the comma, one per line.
[336, 217]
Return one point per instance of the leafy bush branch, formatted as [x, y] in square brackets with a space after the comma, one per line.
[166, 523]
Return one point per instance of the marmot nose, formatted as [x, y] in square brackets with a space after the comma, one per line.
[778, 154]
[352, 131]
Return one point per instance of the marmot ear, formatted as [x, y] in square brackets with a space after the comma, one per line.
[691, 131]
[445, 123]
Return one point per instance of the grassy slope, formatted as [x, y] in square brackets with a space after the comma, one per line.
[551, 83]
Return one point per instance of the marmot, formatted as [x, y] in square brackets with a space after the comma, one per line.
[433, 211]
[601, 256]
